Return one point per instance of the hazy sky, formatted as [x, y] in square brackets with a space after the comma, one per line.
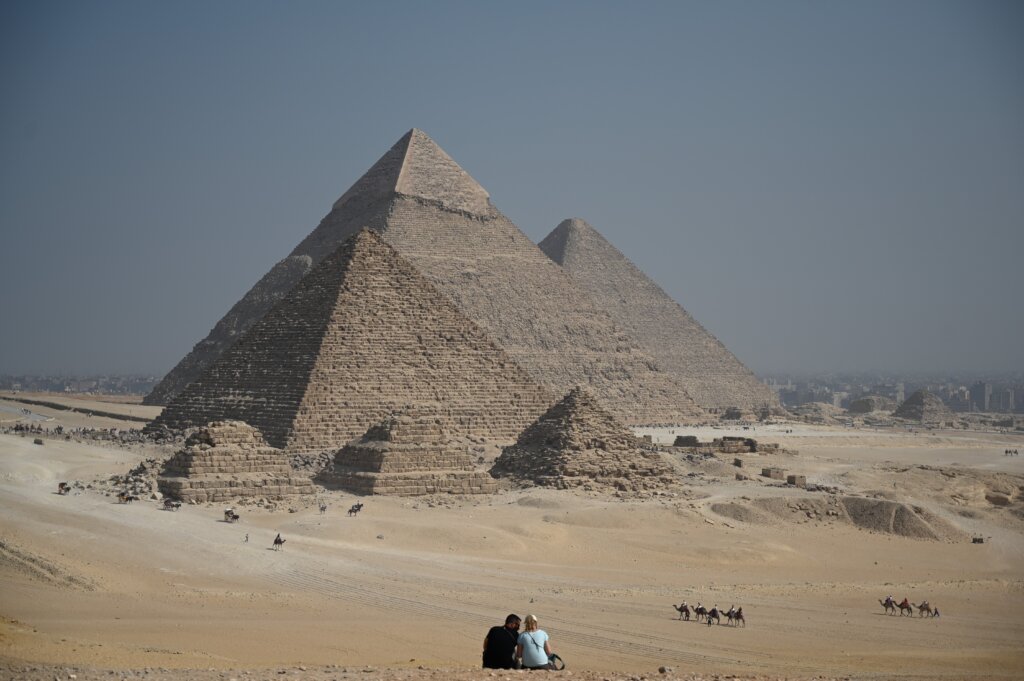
[823, 185]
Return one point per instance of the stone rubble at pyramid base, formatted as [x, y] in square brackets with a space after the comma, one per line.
[228, 460]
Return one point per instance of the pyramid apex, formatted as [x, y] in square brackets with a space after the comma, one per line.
[556, 245]
[416, 166]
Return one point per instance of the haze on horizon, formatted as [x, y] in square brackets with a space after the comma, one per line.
[823, 186]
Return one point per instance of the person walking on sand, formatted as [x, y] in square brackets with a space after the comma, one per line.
[533, 646]
[500, 645]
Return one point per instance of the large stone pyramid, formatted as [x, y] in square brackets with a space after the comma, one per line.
[577, 443]
[229, 460]
[410, 453]
[360, 336]
[924, 407]
[434, 214]
[681, 346]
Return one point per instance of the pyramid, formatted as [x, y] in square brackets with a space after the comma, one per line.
[679, 344]
[410, 453]
[360, 336]
[229, 460]
[437, 217]
[577, 443]
[924, 407]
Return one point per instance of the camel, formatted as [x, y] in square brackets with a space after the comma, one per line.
[737, 617]
[714, 615]
[905, 605]
[701, 611]
[278, 542]
[889, 605]
[924, 609]
[684, 611]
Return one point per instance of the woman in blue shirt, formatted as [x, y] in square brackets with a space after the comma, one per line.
[533, 645]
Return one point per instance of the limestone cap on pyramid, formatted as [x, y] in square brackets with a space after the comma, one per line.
[416, 166]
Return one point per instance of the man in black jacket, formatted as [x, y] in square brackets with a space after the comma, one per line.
[500, 645]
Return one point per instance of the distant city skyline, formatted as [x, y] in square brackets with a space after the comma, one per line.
[824, 187]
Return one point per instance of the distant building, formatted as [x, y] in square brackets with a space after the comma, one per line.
[981, 396]
[1003, 400]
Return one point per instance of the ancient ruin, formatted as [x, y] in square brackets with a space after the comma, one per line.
[410, 453]
[923, 407]
[728, 444]
[437, 217]
[577, 443]
[361, 336]
[682, 347]
[871, 403]
[229, 460]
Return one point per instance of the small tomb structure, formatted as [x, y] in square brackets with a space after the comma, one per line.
[228, 460]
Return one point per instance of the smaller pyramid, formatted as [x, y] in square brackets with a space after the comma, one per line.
[229, 460]
[577, 443]
[410, 453]
[924, 407]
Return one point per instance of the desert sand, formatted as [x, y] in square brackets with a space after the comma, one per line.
[408, 588]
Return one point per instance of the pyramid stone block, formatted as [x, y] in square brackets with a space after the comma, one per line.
[442, 221]
[360, 336]
[577, 443]
[410, 453]
[229, 460]
[711, 374]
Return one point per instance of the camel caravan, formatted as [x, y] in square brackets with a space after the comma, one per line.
[733, 616]
[924, 609]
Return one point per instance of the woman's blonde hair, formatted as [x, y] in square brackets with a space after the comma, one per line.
[530, 623]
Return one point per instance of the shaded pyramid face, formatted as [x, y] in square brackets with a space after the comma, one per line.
[578, 443]
[440, 220]
[681, 346]
[924, 407]
[361, 336]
